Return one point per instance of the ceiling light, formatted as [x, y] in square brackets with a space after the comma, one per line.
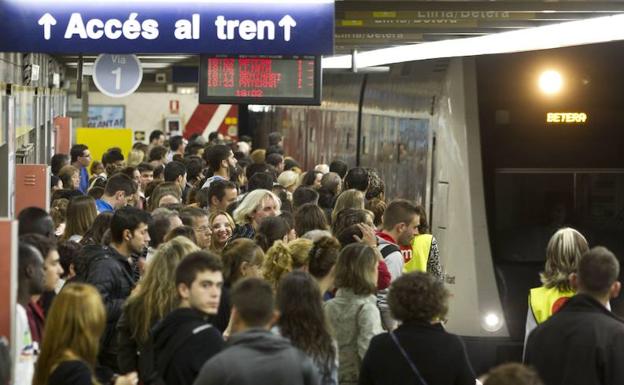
[336, 62]
[579, 32]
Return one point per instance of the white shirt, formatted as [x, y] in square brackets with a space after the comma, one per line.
[24, 350]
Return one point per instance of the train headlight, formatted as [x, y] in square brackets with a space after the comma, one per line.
[550, 82]
[492, 322]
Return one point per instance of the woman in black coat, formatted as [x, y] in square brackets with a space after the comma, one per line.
[419, 351]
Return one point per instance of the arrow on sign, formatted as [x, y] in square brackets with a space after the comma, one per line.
[47, 21]
[287, 22]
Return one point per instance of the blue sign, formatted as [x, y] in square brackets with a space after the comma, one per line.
[117, 75]
[106, 116]
[243, 27]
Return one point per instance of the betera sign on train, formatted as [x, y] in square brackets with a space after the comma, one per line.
[267, 27]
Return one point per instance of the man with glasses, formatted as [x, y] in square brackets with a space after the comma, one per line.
[81, 158]
[198, 219]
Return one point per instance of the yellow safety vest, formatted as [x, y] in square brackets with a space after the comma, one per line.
[421, 247]
[544, 302]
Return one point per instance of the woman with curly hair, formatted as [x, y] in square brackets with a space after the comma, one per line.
[303, 322]
[419, 351]
[282, 258]
[155, 297]
[322, 262]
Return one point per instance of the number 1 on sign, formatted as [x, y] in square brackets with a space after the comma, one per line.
[117, 74]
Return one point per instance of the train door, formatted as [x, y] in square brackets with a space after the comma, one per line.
[531, 204]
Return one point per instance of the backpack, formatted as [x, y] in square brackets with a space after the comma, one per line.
[388, 249]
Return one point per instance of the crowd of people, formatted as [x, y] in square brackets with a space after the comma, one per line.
[209, 263]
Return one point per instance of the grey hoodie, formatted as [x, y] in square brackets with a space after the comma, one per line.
[258, 357]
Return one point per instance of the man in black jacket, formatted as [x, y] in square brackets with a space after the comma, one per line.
[110, 270]
[254, 355]
[184, 339]
[583, 343]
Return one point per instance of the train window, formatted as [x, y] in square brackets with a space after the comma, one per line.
[530, 205]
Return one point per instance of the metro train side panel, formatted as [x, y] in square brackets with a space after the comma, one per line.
[401, 112]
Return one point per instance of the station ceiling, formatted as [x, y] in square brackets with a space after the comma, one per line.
[364, 25]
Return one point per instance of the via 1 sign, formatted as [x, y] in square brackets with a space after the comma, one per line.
[117, 75]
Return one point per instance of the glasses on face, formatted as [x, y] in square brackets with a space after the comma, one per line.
[86, 155]
[202, 229]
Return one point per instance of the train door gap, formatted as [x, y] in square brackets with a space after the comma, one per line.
[358, 145]
[431, 181]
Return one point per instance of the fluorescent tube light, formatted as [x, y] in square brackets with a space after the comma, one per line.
[579, 32]
[336, 62]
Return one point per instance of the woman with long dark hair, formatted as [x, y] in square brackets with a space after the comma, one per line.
[302, 320]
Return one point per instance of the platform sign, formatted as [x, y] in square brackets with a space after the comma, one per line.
[270, 27]
[117, 75]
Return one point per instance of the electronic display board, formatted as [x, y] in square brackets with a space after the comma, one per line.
[260, 80]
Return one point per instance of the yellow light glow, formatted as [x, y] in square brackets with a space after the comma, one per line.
[550, 82]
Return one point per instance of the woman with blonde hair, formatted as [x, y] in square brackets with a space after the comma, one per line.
[353, 313]
[256, 205]
[289, 180]
[69, 354]
[563, 253]
[258, 156]
[81, 212]
[282, 258]
[155, 297]
[348, 199]
[135, 157]
[222, 226]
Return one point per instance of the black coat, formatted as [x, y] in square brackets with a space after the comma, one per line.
[112, 275]
[439, 356]
[183, 342]
[582, 344]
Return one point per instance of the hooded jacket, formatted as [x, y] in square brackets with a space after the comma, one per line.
[183, 342]
[259, 357]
